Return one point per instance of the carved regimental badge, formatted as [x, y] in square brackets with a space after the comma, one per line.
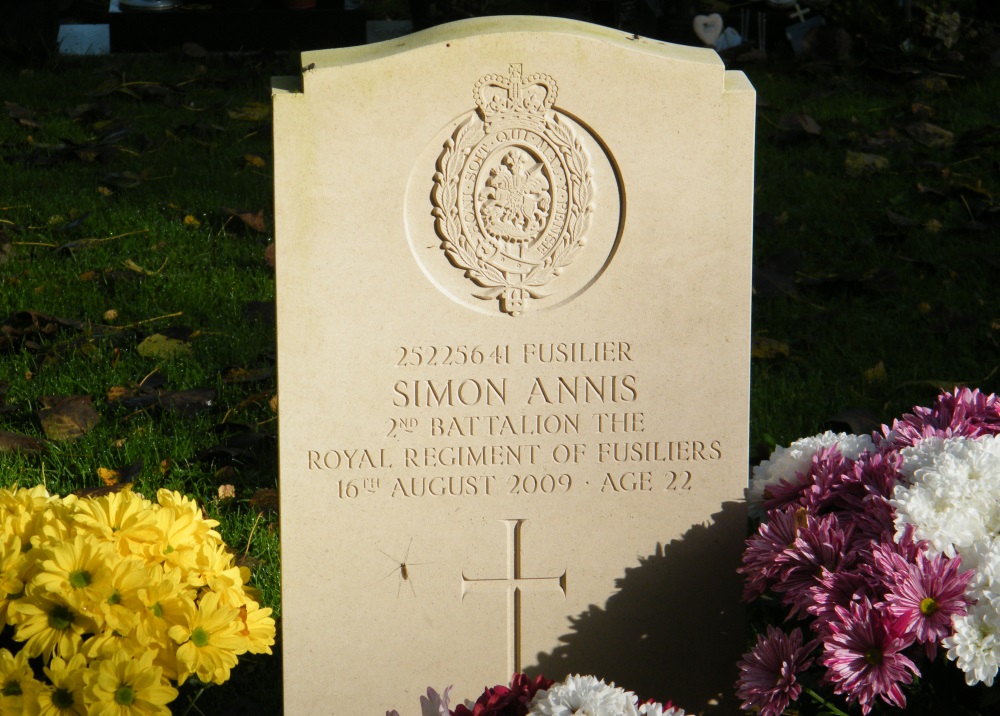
[513, 191]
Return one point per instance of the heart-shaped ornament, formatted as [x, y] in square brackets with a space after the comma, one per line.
[708, 28]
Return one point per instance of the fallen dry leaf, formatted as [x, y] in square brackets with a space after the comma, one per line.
[930, 135]
[15, 442]
[876, 374]
[251, 112]
[187, 402]
[265, 500]
[67, 417]
[121, 180]
[21, 115]
[246, 375]
[133, 266]
[799, 124]
[766, 348]
[859, 163]
[253, 220]
[107, 476]
[193, 49]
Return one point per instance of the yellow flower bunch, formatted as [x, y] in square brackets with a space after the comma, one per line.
[121, 598]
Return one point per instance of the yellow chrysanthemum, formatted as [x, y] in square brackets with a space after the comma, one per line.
[18, 686]
[166, 601]
[216, 569]
[122, 608]
[179, 532]
[63, 696]
[25, 512]
[209, 640]
[11, 567]
[77, 569]
[107, 642]
[127, 686]
[125, 519]
[47, 624]
[258, 627]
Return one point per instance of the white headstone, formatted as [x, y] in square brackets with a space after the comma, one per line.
[513, 275]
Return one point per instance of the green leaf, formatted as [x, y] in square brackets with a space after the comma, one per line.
[162, 347]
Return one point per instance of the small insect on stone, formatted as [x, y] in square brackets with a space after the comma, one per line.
[402, 568]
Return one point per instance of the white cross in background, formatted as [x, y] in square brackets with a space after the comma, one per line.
[799, 13]
[513, 584]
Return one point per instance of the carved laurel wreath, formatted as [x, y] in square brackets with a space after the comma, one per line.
[466, 254]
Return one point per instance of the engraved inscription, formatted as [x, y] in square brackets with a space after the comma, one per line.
[513, 584]
[522, 433]
[513, 192]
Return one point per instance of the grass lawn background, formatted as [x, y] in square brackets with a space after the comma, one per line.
[135, 200]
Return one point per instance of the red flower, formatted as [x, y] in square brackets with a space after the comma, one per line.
[503, 701]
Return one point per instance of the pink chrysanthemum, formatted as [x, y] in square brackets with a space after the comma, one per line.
[961, 413]
[927, 596]
[769, 673]
[773, 537]
[863, 655]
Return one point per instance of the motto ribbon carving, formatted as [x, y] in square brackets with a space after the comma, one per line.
[513, 192]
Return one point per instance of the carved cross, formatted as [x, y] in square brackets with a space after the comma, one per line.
[513, 584]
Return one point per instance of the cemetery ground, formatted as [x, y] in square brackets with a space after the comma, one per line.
[137, 338]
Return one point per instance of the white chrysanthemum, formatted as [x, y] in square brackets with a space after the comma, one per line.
[953, 495]
[975, 645]
[784, 462]
[656, 709]
[584, 696]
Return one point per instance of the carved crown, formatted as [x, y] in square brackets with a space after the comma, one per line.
[515, 96]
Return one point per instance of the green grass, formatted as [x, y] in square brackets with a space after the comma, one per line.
[875, 317]
[860, 291]
[189, 157]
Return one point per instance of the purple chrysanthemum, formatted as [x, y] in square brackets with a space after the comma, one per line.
[769, 672]
[814, 488]
[773, 537]
[871, 474]
[863, 655]
[874, 519]
[821, 547]
[927, 596]
[836, 589]
[961, 413]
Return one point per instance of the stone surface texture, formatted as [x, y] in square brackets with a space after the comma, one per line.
[513, 290]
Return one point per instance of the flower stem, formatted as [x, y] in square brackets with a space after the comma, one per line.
[826, 704]
[197, 696]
